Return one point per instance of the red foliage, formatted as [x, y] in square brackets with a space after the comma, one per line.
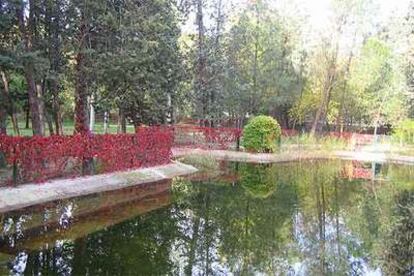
[289, 132]
[343, 135]
[206, 137]
[357, 138]
[356, 170]
[41, 158]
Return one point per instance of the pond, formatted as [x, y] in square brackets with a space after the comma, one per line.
[303, 218]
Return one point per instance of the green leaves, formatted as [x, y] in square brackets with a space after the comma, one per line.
[260, 74]
[377, 84]
[138, 62]
[261, 134]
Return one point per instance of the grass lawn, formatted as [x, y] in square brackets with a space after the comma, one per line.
[68, 127]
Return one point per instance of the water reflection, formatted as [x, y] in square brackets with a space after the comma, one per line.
[312, 218]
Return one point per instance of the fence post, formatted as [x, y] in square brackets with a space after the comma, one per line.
[3, 163]
[238, 143]
[15, 173]
[15, 169]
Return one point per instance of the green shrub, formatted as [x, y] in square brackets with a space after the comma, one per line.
[261, 134]
[404, 132]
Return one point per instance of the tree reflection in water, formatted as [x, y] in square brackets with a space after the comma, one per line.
[310, 218]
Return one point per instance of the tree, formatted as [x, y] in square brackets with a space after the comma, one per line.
[33, 63]
[85, 27]
[401, 35]
[200, 74]
[260, 75]
[209, 62]
[55, 21]
[139, 65]
[378, 85]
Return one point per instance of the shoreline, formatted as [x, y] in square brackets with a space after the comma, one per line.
[13, 198]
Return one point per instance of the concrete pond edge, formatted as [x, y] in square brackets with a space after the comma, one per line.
[13, 198]
[264, 158]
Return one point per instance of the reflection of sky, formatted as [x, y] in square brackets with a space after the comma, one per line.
[13, 230]
[62, 260]
[65, 217]
[19, 264]
[338, 239]
[298, 252]
[305, 240]
[179, 253]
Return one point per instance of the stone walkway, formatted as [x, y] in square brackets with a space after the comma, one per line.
[12, 198]
[363, 156]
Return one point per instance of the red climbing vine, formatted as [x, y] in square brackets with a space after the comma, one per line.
[206, 137]
[42, 158]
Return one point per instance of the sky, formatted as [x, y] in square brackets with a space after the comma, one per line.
[317, 10]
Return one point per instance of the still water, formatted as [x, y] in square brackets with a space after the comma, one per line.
[308, 218]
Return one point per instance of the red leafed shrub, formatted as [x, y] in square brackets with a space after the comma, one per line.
[206, 137]
[289, 132]
[344, 135]
[356, 170]
[357, 138]
[41, 158]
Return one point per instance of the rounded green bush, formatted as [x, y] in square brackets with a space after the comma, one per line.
[261, 134]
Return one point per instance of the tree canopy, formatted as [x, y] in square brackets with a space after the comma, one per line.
[158, 62]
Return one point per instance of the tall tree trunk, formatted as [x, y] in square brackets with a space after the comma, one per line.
[3, 128]
[15, 124]
[27, 31]
[318, 114]
[8, 103]
[201, 62]
[326, 95]
[214, 111]
[254, 98]
[27, 124]
[340, 119]
[81, 90]
[53, 22]
[81, 93]
[136, 127]
[57, 117]
[122, 120]
[3, 115]
[4, 98]
[50, 124]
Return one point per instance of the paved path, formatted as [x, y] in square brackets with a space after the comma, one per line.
[12, 198]
[363, 156]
